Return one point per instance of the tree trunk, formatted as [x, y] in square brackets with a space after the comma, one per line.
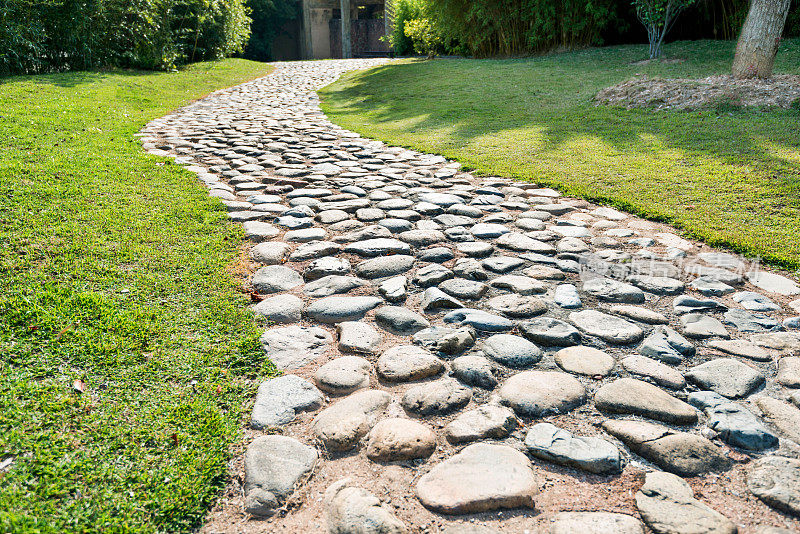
[760, 37]
[347, 49]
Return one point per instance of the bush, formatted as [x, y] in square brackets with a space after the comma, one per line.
[53, 35]
[425, 36]
[269, 16]
[404, 11]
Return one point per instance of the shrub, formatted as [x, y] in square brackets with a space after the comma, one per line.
[269, 16]
[425, 36]
[404, 10]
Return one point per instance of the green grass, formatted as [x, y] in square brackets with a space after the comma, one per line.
[115, 269]
[731, 179]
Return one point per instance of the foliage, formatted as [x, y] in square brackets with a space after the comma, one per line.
[116, 270]
[425, 36]
[731, 179]
[269, 16]
[658, 17]
[57, 35]
[404, 10]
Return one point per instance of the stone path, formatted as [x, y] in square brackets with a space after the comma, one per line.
[469, 354]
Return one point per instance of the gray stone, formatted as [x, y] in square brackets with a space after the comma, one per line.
[750, 322]
[776, 481]
[344, 375]
[464, 289]
[643, 315]
[689, 304]
[422, 238]
[279, 400]
[666, 345]
[434, 298]
[440, 397]
[726, 376]
[305, 235]
[274, 466]
[352, 510]
[485, 422]
[396, 439]
[539, 393]
[789, 372]
[594, 523]
[659, 373]
[276, 278]
[327, 266]
[470, 269]
[394, 289]
[378, 247]
[336, 309]
[477, 249]
[556, 445]
[311, 251]
[440, 199]
[332, 216]
[634, 397]
[660, 285]
[455, 341]
[550, 332]
[773, 283]
[784, 341]
[518, 284]
[502, 264]
[710, 287]
[753, 301]
[271, 253]
[517, 306]
[543, 272]
[431, 275]
[280, 309]
[522, 243]
[512, 351]
[291, 347]
[258, 230]
[566, 296]
[782, 415]
[400, 320]
[474, 370]
[480, 478]
[742, 348]
[343, 424]
[681, 453]
[735, 425]
[667, 505]
[607, 327]
[610, 290]
[384, 266]
[584, 360]
[404, 363]
[331, 285]
[479, 320]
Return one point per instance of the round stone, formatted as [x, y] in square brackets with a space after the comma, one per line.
[404, 363]
[584, 360]
[280, 309]
[436, 398]
[485, 422]
[352, 510]
[510, 350]
[609, 328]
[517, 306]
[776, 481]
[397, 439]
[634, 397]
[539, 393]
[344, 375]
[276, 278]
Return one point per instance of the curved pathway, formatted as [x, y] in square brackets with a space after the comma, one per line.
[471, 354]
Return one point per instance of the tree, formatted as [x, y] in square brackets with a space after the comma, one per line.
[658, 17]
[760, 37]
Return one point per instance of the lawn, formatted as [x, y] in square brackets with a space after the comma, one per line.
[127, 354]
[730, 177]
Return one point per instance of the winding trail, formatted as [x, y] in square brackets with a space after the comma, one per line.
[470, 354]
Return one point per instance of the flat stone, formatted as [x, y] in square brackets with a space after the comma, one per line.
[734, 424]
[550, 332]
[689, 304]
[557, 445]
[634, 397]
[517, 306]
[422, 238]
[306, 235]
[539, 393]
[258, 230]
[400, 320]
[384, 266]
[344, 375]
[502, 264]
[566, 296]
[404, 363]
[746, 321]
[485, 422]
[377, 247]
[440, 199]
[397, 439]
[331, 285]
[431, 275]
[753, 301]
[455, 341]
[584, 360]
[667, 505]
[343, 424]
[394, 289]
[681, 453]
[643, 315]
[271, 253]
[739, 347]
[327, 266]
[666, 345]
[659, 285]
[291, 347]
[274, 466]
[434, 298]
[783, 341]
[512, 351]
[607, 327]
[464, 289]
[522, 243]
[782, 415]
[276, 278]
[479, 320]
[773, 283]
[594, 523]
[610, 290]
[776, 481]
[789, 372]
[332, 216]
[519, 284]
[475, 249]
[474, 370]
[710, 287]
[726, 376]
[352, 510]
[336, 309]
[480, 478]
[280, 309]
[714, 273]
[470, 268]
[280, 399]
[659, 373]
